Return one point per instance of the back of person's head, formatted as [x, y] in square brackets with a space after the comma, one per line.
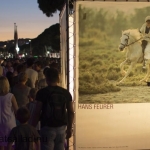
[17, 60]
[54, 65]
[22, 77]
[45, 69]
[45, 63]
[20, 68]
[30, 62]
[9, 63]
[15, 66]
[23, 115]
[4, 85]
[52, 75]
[32, 93]
[38, 63]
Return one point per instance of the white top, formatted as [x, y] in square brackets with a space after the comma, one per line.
[7, 117]
[142, 30]
[32, 75]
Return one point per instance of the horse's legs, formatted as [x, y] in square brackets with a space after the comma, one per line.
[122, 67]
[128, 71]
[148, 71]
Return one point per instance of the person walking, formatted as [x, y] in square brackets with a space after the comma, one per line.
[24, 135]
[55, 109]
[8, 108]
[32, 74]
[21, 91]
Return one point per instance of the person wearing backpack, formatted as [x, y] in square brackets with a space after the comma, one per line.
[55, 110]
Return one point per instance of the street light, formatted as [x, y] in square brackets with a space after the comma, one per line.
[4, 52]
[47, 53]
[30, 53]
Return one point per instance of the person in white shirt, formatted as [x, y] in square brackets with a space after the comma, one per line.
[38, 68]
[145, 31]
[32, 74]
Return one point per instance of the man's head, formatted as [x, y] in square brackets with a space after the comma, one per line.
[45, 63]
[38, 65]
[20, 68]
[54, 65]
[30, 62]
[23, 115]
[44, 71]
[147, 20]
[17, 60]
[22, 77]
[52, 76]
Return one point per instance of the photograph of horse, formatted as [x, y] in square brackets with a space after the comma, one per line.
[111, 57]
[131, 40]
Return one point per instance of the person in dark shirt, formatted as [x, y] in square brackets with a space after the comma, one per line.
[55, 133]
[24, 135]
[31, 107]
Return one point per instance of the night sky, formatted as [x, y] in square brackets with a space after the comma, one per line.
[29, 18]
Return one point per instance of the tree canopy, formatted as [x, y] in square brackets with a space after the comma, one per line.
[50, 37]
[49, 7]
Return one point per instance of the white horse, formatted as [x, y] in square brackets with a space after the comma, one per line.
[131, 40]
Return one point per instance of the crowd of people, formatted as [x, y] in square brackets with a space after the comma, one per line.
[25, 86]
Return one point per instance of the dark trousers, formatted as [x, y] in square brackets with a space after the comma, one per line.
[144, 43]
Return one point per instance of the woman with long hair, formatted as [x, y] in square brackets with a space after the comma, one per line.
[8, 108]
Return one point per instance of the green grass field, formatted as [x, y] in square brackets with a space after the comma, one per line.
[99, 66]
[99, 57]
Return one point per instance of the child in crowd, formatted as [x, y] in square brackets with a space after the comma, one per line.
[31, 106]
[24, 135]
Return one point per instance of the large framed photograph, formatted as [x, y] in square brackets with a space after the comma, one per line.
[110, 53]
[113, 92]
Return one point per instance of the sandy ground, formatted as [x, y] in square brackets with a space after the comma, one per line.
[128, 94]
[119, 117]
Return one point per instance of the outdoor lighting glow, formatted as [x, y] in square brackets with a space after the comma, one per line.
[17, 49]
